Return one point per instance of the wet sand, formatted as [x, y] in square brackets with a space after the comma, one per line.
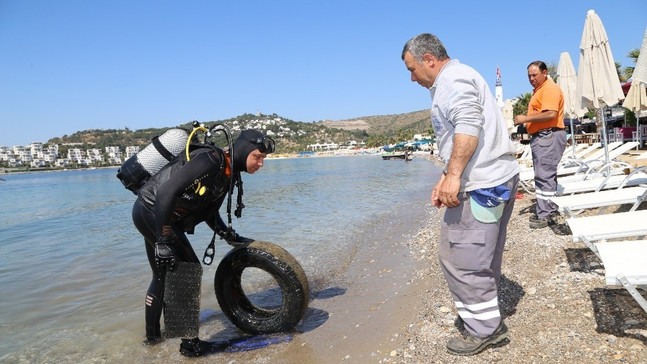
[391, 304]
[357, 314]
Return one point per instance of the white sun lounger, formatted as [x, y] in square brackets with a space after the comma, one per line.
[569, 204]
[611, 226]
[624, 265]
[637, 177]
[597, 153]
[570, 169]
[596, 170]
[596, 160]
[586, 151]
[579, 150]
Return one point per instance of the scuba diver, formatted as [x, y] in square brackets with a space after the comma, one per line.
[188, 190]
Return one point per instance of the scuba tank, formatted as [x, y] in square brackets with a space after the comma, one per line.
[135, 171]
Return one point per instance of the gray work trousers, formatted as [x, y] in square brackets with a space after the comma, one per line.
[547, 150]
[470, 255]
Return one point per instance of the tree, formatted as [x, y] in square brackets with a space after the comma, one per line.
[633, 54]
[521, 106]
[621, 77]
[404, 135]
[377, 141]
[551, 68]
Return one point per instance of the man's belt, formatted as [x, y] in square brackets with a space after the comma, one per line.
[547, 129]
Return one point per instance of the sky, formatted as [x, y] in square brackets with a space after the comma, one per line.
[67, 65]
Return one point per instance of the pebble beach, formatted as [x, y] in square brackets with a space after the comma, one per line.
[393, 305]
[554, 300]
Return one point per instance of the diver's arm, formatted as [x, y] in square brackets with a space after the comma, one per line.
[169, 191]
[215, 221]
[225, 232]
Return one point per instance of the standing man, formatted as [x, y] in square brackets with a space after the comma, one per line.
[478, 186]
[545, 123]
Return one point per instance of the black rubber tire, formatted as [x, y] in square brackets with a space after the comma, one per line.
[287, 272]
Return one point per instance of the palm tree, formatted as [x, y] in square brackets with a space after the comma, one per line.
[621, 77]
[521, 106]
[551, 68]
[633, 54]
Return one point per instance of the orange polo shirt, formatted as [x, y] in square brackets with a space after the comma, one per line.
[548, 96]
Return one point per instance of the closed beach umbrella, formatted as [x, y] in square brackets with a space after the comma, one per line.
[597, 81]
[567, 81]
[636, 100]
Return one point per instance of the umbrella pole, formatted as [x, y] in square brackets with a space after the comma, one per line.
[604, 137]
[572, 137]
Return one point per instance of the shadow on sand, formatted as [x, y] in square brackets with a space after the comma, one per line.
[616, 312]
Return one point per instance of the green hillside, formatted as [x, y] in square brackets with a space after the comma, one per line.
[290, 136]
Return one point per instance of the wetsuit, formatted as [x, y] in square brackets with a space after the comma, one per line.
[176, 199]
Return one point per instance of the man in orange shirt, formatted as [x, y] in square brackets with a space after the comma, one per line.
[545, 123]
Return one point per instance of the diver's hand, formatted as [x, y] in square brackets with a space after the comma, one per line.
[165, 253]
[240, 241]
[233, 239]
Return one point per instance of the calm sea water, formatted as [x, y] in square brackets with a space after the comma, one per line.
[74, 272]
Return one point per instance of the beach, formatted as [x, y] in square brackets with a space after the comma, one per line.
[386, 300]
[393, 305]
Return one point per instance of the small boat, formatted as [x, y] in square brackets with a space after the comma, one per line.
[406, 156]
[403, 156]
[387, 157]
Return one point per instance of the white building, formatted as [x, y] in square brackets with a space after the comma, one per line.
[114, 155]
[131, 151]
[323, 146]
[498, 90]
[75, 155]
[94, 155]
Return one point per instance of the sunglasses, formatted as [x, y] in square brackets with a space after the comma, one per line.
[265, 144]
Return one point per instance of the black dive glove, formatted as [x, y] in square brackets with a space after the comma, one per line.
[233, 239]
[165, 252]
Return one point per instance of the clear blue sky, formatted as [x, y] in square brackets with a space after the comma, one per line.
[67, 66]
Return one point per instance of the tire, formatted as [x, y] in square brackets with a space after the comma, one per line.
[287, 272]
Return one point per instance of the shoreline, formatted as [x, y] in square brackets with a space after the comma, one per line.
[395, 306]
[7, 171]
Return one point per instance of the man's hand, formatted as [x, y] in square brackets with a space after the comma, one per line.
[435, 199]
[520, 119]
[448, 191]
[165, 253]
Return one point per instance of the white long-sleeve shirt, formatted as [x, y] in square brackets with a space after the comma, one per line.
[461, 103]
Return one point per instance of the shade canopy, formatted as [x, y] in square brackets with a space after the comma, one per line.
[597, 82]
[640, 72]
[637, 96]
[567, 81]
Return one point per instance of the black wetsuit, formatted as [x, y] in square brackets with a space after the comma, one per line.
[176, 199]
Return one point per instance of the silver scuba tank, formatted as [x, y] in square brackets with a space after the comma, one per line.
[135, 171]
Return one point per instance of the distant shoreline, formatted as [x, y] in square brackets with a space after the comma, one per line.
[374, 152]
[11, 171]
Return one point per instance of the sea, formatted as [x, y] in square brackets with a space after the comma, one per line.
[74, 271]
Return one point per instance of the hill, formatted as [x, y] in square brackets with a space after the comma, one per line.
[291, 136]
[385, 124]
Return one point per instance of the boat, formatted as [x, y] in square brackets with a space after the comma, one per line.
[387, 157]
[404, 156]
